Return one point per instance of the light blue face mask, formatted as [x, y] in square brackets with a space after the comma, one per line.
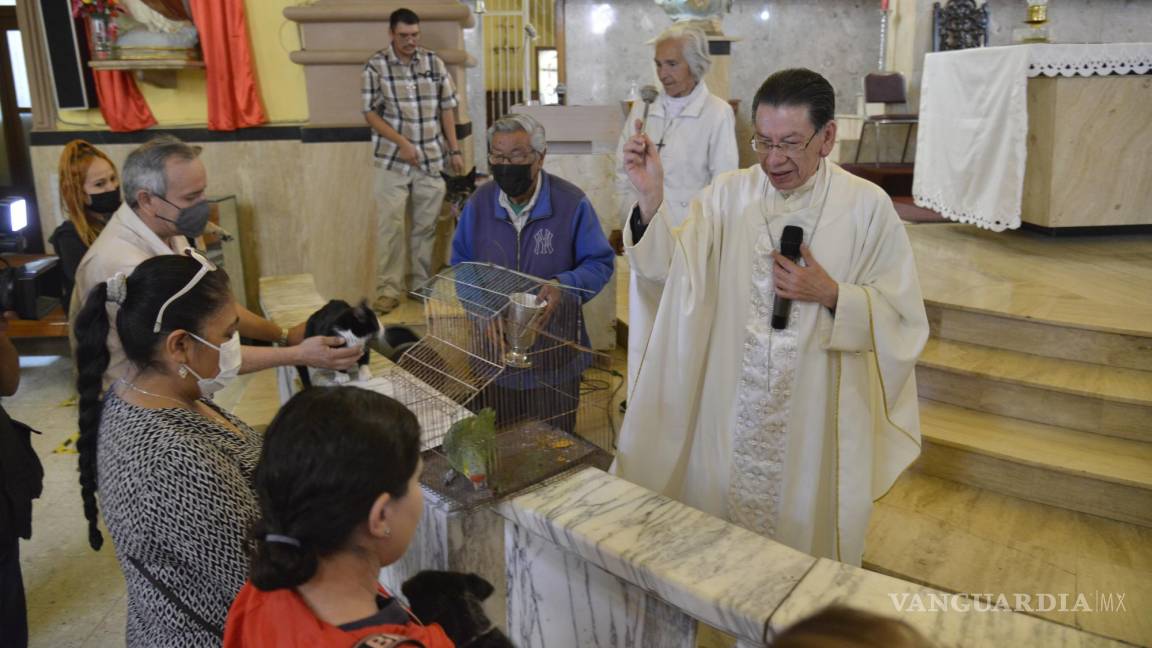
[229, 363]
[230, 351]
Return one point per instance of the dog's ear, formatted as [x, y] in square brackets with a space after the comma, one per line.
[416, 587]
[479, 587]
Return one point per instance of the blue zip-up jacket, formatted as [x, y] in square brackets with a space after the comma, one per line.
[562, 239]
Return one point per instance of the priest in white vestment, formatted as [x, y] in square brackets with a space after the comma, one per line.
[792, 433]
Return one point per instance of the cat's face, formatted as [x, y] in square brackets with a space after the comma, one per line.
[338, 315]
[362, 321]
[459, 188]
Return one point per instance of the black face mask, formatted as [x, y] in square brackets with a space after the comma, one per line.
[105, 203]
[514, 180]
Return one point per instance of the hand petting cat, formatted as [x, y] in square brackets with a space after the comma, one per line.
[327, 352]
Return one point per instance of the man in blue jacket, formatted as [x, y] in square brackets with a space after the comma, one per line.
[536, 223]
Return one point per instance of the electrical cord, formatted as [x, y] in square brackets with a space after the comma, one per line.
[593, 385]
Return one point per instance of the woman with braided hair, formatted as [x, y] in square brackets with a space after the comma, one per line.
[172, 468]
[89, 194]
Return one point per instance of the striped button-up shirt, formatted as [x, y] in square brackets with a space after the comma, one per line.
[409, 98]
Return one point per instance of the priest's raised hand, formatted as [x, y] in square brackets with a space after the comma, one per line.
[642, 162]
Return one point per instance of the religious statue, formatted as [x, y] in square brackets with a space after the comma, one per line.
[705, 14]
[157, 29]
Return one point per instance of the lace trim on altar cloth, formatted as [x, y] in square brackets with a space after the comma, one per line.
[939, 206]
[1089, 60]
[763, 403]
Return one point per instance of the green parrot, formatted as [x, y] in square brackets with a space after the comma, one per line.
[470, 446]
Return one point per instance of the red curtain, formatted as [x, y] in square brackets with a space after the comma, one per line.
[121, 103]
[233, 96]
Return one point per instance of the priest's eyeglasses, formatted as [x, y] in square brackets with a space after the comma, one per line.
[789, 149]
[516, 157]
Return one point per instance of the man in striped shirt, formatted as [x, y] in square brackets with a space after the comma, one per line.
[409, 101]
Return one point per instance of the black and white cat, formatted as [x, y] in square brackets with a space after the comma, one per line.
[457, 190]
[358, 325]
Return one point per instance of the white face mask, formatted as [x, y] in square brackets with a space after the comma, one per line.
[230, 359]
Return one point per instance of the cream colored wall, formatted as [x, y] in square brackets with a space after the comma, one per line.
[303, 207]
[281, 82]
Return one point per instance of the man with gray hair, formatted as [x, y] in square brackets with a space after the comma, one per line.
[695, 133]
[164, 208]
[530, 220]
[533, 222]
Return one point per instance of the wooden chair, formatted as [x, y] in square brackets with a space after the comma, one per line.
[886, 88]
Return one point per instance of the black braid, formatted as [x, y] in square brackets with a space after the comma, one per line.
[92, 360]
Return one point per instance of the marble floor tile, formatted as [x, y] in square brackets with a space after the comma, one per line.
[965, 539]
[1121, 599]
[924, 550]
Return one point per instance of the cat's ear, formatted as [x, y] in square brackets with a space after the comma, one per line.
[471, 175]
[445, 176]
[364, 311]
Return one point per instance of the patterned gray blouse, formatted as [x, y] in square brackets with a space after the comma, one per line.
[175, 490]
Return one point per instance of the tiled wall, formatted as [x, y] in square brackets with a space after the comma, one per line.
[1078, 21]
[838, 38]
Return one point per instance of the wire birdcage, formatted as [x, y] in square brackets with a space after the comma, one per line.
[514, 343]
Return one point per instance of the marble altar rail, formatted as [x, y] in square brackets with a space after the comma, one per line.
[589, 560]
[706, 569]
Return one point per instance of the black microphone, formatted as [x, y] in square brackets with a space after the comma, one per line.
[790, 242]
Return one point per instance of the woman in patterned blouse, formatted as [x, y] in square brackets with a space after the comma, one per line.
[172, 468]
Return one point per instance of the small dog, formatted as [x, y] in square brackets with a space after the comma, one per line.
[453, 600]
[357, 325]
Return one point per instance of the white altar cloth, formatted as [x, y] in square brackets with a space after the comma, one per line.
[971, 147]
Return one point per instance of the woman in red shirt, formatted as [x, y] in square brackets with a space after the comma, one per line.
[339, 490]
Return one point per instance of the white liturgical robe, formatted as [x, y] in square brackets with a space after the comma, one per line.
[791, 433]
[698, 144]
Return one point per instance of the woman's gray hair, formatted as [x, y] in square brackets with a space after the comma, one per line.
[693, 47]
[519, 123]
[144, 168]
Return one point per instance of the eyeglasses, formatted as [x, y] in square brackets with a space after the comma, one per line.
[206, 266]
[789, 149]
[515, 158]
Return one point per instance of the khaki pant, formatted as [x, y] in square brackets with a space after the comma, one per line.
[392, 191]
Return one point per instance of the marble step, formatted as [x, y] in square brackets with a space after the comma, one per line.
[1083, 396]
[961, 538]
[1051, 339]
[1091, 473]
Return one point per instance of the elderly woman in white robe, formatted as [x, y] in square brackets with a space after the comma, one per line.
[695, 134]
